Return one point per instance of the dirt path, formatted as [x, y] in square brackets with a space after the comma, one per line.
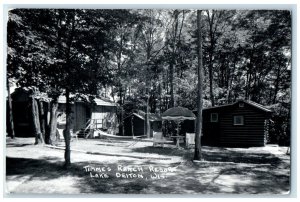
[37, 169]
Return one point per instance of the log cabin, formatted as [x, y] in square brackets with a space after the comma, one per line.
[241, 124]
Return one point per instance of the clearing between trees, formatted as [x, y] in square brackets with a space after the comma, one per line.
[136, 167]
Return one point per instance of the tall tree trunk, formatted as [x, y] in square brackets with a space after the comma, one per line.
[39, 139]
[147, 121]
[70, 82]
[198, 153]
[148, 85]
[43, 118]
[172, 62]
[11, 130]
[132, 126]
[211, 94]
[119, 63]
[171, 85]
[121, 126]
[230, 80]
[211, 52]
[53, 122]
[67, 135]
[276, 85]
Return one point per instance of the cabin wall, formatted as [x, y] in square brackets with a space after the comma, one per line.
[137, 125]
[250, 134]
[104, 116]
[187, 126]
[225, 133]
[22, 117]
[133, 126]
[81, 116]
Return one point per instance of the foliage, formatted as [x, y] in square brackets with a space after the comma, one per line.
[146, 58]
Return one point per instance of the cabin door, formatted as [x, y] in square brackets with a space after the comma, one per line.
[80, 116]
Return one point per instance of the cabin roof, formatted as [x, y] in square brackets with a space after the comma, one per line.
[152, 117]
[254, 104]
[23, 94]
[98, 101]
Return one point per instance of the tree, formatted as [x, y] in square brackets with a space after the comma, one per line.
[173, 43]
[11, 130]
[198, 154]
[150, 41]
[60, 54]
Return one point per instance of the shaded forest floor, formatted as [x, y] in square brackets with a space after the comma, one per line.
[154, 170]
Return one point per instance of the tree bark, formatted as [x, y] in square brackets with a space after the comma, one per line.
[132, 126]
[53, 122]
[11, 130]
[198, 153]
[43, 117]
[121, 126]
[66, 132]
[211, 52]
[230, 80]
[39, 139]
[276, 85]
[172, 62]
[119, 64]
[171, 85]
[147, 121]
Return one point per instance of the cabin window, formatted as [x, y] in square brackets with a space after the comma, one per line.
[238, 120]
[214, 117]
[241, 104]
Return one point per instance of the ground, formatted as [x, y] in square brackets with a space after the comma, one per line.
[133, 167]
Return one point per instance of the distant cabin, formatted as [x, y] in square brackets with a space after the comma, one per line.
[102, 113]
[243, 123]
[134, 124]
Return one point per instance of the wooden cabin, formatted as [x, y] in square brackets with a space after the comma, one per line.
[241, 124]
[22, 116]
[134, 124]
[101, 113]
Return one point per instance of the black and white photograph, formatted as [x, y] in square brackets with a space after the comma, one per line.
[148, 101]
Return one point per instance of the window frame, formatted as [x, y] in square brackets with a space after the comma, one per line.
[242, 120]
[211, 117]
[241, 104]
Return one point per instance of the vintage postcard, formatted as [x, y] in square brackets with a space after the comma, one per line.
[148, 101]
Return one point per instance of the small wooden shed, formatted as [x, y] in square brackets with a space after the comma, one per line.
[102, 112]
[241, 124]
[134, 124]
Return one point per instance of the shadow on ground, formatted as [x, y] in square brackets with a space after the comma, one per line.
[222, 155]
[222, 171]
[44, 170]
[241, 157]
[17, 145]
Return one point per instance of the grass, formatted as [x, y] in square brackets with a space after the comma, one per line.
[36, 169]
